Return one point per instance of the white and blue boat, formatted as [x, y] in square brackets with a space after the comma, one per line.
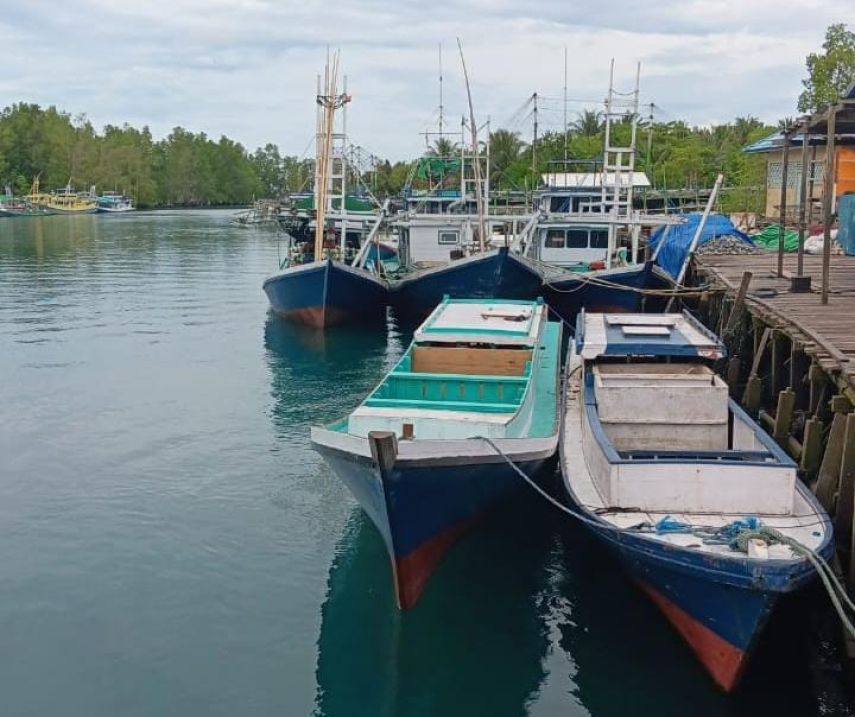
[476, 370]
[114, 203]
[682, 485]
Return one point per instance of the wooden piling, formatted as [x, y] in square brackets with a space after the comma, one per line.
[846, 488]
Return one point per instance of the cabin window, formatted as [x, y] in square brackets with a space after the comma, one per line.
[577, 238]
[554, 239]
[559, 204]
[599, 239]
[449, 237]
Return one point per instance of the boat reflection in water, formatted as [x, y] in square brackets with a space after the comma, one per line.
[529, 618]
[314, 374]
[475, 646]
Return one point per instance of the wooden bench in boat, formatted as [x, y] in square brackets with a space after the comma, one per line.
[469, 360]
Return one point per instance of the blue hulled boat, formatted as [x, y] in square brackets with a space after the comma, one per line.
[682, 485]
[485, 275]
[413, 453]
[619, 289]
[326, 293]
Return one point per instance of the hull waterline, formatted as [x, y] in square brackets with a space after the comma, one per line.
[422, 508]
[326, 294]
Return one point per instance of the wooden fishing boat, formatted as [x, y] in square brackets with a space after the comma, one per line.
[420, 453]
[682, 485]
[482, 275]
[67, 201]
[327, 293]
[114, 203]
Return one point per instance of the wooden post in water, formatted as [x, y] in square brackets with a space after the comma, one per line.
[739, 302]
[828, 200]
[846, 487]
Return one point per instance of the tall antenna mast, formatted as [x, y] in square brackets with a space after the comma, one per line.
[441, 108]
[534, 137]
[565, 105]
[479, 198]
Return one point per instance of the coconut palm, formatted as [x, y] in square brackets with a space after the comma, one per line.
[588, 123]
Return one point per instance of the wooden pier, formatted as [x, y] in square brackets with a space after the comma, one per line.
[792, 364]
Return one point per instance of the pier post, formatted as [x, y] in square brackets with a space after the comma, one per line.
[846, 487]
[733, 370]
[783, 206]
[739, 302]
[784, 415]
[828, 200]
[803, 198]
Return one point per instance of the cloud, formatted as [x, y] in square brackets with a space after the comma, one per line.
[246, 68]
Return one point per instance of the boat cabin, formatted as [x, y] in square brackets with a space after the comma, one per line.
[658, 427]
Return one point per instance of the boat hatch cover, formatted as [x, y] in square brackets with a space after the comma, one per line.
[491, 321]
[645, 335]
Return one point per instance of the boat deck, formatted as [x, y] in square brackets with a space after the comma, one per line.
[826, 332]
[805, 524]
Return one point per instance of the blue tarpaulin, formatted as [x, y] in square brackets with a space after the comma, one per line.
[679, 237]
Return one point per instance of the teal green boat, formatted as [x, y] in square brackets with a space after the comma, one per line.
[435, 445]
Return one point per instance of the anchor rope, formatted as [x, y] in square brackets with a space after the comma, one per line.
[736, 535]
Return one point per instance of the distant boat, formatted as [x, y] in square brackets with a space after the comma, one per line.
[114, 203]
[65, 201]
[475, 369]
[12, 206]
[682, 485]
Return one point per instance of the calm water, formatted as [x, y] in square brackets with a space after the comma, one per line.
[171, 545]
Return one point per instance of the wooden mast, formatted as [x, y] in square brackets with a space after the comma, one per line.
[327, 103]
[479, 199]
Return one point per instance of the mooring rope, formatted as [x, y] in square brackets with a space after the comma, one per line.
[736, 535]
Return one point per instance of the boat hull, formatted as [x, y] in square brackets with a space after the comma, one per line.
[421, 507]
[718, 605]
[327, 293]
[569, 294]
[494, 274]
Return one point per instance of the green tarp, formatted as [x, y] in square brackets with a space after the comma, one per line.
[436, 167]
[769, 237]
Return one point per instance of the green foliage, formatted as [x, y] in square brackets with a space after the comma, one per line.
[182, 169]
[830, 72]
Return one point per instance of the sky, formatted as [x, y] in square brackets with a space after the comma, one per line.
[247, 68]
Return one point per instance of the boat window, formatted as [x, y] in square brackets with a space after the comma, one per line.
[599, 239]
[554, 239]
[559, 204]
[449, 237]
[577, 238]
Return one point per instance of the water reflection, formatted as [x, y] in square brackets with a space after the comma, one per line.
[474, 645]
[318, 376]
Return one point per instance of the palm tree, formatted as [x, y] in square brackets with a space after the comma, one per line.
[587, 123]
[505, 148]
[443, 147]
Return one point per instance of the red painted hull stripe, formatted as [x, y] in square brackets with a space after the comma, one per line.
[411, 572]
[725, 662]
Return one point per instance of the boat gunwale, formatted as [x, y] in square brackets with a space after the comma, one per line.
[778, 575]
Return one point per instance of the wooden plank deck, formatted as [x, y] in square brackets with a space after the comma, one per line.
[827, 332]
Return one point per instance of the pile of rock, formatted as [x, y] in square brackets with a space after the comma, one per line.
[727, 245]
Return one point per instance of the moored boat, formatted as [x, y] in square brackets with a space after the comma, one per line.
[66, 201]
[483, 275]
[114, 203]
[420, 453]
[690, 494]
[326, 293]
